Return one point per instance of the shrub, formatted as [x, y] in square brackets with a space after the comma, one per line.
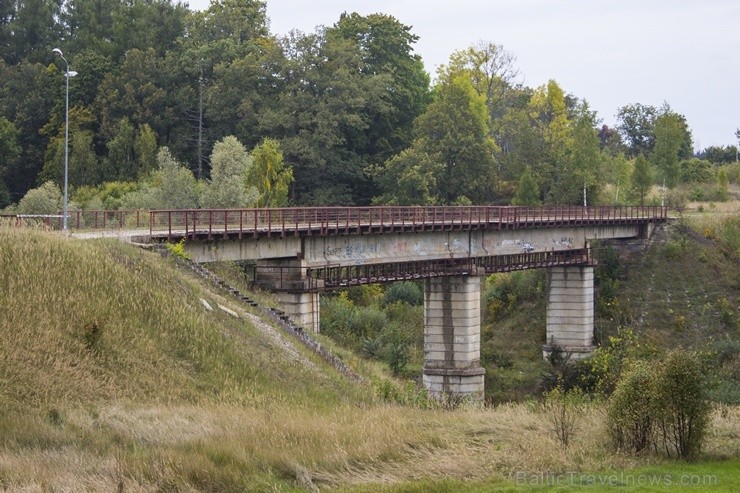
[681, 403]
[366, 295]
[664, 404]
[673, 250]
[629, 410]
[46, 199]
[562, 409]
[407, 292]
[178, 249]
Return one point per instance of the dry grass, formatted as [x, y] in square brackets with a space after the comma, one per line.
[208, 447]
[165, 396]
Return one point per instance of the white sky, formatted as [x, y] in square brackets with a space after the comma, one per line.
[611, 53]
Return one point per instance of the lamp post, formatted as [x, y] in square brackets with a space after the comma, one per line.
[67, 75]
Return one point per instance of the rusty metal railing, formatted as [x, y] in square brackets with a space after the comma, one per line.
[335, 276]
[307, 221]
[82, 220]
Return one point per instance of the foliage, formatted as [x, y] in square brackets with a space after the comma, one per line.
[637, 127]
[608, 361]
[10, 152]
[269, 175]
[696, 170]
[178, 249]
[641, 179]
[108, 196]
[454, 133]
[172, 186]
[630, 411]
[671, 135]
[563, 409]
[505, 291]
[230, 166]
[527, 193]
[682, 407]
[662, 404]
[408, 178]
[405, 291]
[377, 326]
[46, 199]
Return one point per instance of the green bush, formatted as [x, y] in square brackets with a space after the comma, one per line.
[681, 403]
[630, 412]
[46, 199]
[407, 292]
[505, 291]
[663, 404]
[673, 250]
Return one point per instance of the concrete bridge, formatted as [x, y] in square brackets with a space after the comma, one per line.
[301, 252]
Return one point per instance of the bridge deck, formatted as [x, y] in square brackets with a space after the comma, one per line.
[308, 221]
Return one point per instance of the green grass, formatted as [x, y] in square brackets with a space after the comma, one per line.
[716, 476]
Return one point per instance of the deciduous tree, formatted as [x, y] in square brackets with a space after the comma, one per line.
[230, 165]
[637, 126]
[269, 175]
[454, 133]
[642, 178]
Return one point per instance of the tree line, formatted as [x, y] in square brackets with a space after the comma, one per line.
[346, 115]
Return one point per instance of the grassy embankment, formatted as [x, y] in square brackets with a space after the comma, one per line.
[114, 375]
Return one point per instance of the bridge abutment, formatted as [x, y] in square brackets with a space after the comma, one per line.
[570, 310]
[452, 338]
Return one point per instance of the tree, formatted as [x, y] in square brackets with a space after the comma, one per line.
[637, 126]
[490, 69]
[30, 95]
[386, 48]
[121, 157]
[610, 141]
[669, 138]
[171, 186]
[269, 175]
[145, 149]
[230, 165]
[409, 178]
[682, 407]
[618, 172]
[454, 132]
[576, 178]
[33, 30]
[548, 108]
[83, 168]
[10, 152]
[642, 178]
[326, 107]
[630, 410]
[528, 193]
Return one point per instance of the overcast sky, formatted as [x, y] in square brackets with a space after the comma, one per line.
[611, 53]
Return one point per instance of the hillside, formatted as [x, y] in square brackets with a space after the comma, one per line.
[114, 376]
[680, 291]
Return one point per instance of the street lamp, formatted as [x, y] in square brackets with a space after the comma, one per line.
[67, 75]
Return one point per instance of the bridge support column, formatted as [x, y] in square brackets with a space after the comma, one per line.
[452, 338]
[570, 310]
[285, 277]
[301, 308]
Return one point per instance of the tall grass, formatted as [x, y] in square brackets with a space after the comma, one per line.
[114, 377]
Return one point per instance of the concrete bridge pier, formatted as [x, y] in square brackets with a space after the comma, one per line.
[570, 310]
[452, 338]
[286, 278]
